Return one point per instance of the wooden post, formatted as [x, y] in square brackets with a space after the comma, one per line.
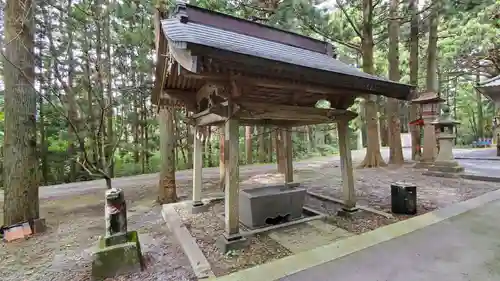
[288, 151]
[346, 166]
[222, 169]
[231, 156]
[197, 166]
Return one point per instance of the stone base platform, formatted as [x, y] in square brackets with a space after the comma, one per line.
[117, 254]
[422, 165]
[225, 244]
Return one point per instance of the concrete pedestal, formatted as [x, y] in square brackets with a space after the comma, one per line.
[429, 147]
[199, 208]
[225, 244]
[117, 254]
[445, 164]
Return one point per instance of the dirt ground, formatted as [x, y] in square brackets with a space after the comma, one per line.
[75, 222]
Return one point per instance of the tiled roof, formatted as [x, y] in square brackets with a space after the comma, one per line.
[495, 81]
[252, 46]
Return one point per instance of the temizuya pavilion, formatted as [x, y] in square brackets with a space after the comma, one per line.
[233, 72]
[491, 89]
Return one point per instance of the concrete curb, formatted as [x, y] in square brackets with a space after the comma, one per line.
[480, 178]
[199, 262]
[287, 266]
[478, 158]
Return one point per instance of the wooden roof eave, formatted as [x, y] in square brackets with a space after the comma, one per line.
[262, 113]
[328, 79]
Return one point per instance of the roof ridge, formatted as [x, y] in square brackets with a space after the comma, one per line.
[493, 79]
[199, 15]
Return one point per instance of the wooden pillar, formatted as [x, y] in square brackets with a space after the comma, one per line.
[167, 188]
[197, 166]
[348, 191]
[231, 156]
[288, 151]
[222, 169]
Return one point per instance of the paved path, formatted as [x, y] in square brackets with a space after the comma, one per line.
[456, 243]
[465, 247]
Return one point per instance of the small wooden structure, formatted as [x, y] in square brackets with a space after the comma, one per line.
[491, 89]
[231, 72]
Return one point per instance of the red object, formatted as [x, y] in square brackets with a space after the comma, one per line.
[418, 122]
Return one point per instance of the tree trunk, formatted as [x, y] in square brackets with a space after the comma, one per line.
[72, 106]
[21, 201]
[110, 135]
[480, 115]
[414, 114]
[395, 149]
[189, 144]
[373, 157]
[248, 144]
[167, 188]
[262, 144]
[208, 147]
[431, 78]
[310, 136]
[280, 150]
[269, 136]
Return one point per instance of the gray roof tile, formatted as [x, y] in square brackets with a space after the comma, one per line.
[495, 81]
[248, 45]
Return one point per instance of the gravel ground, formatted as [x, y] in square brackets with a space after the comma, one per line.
[373, 186]
[208, 226]
[74, 225]
[75, 222]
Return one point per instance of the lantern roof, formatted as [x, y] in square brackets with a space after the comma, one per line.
[444, 118]
[428, 97]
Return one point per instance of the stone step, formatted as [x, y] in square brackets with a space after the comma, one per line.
[309, 235]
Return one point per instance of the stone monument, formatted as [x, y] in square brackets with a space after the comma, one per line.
[445, 164]
[429, 102]
[119, 251]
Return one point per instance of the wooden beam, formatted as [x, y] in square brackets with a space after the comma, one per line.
[161, 51]
[231, 158]
[179, 98]
[346, 166]
[263, 82]
[253, 110]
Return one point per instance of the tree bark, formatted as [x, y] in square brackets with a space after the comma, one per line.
[280, 150]
[373, 157]
[262, 145]
[414, 114]
[21, 201]
[110, 135]
[431, 78]
[189, 144]
[395, 149]
[167, 188]
[248, 144]
[269, 138]
[480, 115]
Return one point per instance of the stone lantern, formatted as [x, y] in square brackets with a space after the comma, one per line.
[445, 163]
[429, 102]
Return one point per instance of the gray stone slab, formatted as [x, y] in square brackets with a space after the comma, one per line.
[309, 235]
[463, 248]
